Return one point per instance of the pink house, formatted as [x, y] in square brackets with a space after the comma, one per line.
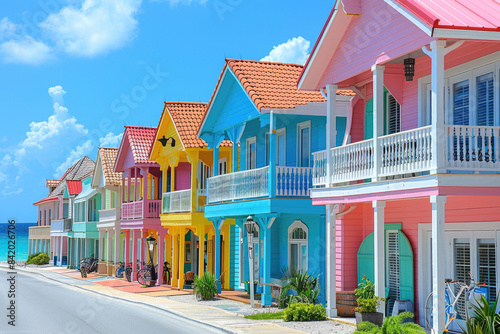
[414, 197]
[141, 193]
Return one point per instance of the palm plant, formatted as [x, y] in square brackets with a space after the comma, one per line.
[485, 320]
[205, 286]
[392, 325]
[299, 287]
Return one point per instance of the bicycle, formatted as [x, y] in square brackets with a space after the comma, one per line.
[451, 300]
[88, 265]
[166, 272]
[120, 269]
[147, 275]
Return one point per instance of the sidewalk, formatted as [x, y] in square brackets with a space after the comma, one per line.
[163, 297]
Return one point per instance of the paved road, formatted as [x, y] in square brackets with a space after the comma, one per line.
[45, 306]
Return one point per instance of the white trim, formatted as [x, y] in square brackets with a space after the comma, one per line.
[222, 161]
[251, 140]
[212, 102]
[299, 243]
[466, 34]
[410, 16]
[301, 126]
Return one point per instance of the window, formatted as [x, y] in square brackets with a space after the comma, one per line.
[393, 115]
[222, 166]
[280, 147]
[298, 244]
[393, 267]
[304, 144]
[251, 152]
[485, 100]
[50, 216]
[486, 257]
[462, 268]
[44, 217]
[460, 102]
[203, 174]
[40, 219]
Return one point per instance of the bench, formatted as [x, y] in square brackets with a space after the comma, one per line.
[276, 285]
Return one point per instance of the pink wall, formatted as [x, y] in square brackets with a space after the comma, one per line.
[379, 34]
[45, 207]
[183, 176]
[359, 223]
[358, 122]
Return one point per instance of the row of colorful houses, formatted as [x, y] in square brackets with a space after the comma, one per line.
[379, 157]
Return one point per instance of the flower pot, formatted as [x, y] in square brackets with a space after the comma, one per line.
[376, 318]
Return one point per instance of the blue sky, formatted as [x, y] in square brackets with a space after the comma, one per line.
[74, 72]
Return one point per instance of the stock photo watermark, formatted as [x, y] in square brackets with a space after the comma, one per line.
[11, 274]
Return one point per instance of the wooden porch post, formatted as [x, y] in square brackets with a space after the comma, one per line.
[437, 100]
[201, 249]
[194, 157]
[133, 235]
[182, 255]
[378, 116]
[331, 128]
[438, 250]
[175, 258]
[379, 252]
[101, 244]
[331, 261]
[161, 254]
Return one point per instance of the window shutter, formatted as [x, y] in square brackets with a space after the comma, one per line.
[406, 284]
[461, 103]
[487, 267]
[485, 99]
[393, 268]
[393, 115]
[366, 259]
[462, 270]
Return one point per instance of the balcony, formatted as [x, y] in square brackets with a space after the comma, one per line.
[141, 209]
[108, 218]
[62, 225]
[180, 201]
[39, 232]
[468, 149]
[254, 183]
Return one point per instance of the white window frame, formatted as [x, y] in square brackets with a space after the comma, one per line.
[470, 70]
[301, 242]
[300, 127]
[223, 163]
[250, 141]
[279, 132]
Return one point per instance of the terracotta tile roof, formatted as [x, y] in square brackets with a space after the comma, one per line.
[52, 183]
[74, 186]
[274, 85]
[187, 117]
[108, 158]
[141, 139]
[46, 199]
[80, 170]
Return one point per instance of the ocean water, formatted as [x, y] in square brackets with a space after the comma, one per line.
[21, 233]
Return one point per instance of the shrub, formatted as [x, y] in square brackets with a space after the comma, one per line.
[366, 299]
[304, 312]
[300, 287]
[391, 325]
[485, 319]
[205, 287]
[39, 259]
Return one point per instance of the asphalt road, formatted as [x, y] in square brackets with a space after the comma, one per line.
[45, 306]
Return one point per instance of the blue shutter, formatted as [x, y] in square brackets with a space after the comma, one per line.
[461, 103]
[485, 99]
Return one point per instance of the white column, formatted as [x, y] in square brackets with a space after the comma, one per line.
[378, 116]
[117, 244]
[437, 101]
[61, 238]
[101, 244]
[331, 261]
[438, 249]
[108, 255]
[379, 254]
[331, 128]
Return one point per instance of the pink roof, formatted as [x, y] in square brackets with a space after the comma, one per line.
[74, 186]
[46, 199]
[456, 14]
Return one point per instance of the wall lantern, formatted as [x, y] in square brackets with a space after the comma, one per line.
[409, 68]
[164, 141]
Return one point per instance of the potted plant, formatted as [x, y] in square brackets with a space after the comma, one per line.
[368, 303]
[247, 286]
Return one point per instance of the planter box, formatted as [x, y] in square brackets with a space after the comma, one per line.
[376, 318]
[346, 302]
[111, 269]
[101, 268]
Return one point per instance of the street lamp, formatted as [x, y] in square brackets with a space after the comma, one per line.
[151, 247]
[250, 227]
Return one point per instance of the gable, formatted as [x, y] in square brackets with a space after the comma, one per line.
[98, 175]
[165, 128]
[230, 106]
[379, 34]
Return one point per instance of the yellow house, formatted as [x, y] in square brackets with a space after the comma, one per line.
[186, 163]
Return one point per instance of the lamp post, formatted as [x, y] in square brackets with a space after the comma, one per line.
[250, 228]
[151, 247]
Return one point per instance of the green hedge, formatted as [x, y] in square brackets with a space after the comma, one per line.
[38, 258]
[304, 312]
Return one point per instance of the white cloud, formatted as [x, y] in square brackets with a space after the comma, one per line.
[96, 28]
[111, 140]
[57, 93]
[295, 50]
[73, 157]
[7, 28]
[25, 50]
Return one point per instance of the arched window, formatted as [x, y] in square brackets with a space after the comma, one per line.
[298, 234]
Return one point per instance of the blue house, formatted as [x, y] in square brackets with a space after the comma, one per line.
[274, 128]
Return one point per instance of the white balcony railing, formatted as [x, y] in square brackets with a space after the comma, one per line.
[39, 232]
[61, 225]
[180, 201]
[246, 184]
[293, 181]
[109, 215]
[471, 148]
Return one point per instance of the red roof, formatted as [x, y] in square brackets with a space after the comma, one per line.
[456, 14]
[46, 199]
[141, 139]
[74, 186]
